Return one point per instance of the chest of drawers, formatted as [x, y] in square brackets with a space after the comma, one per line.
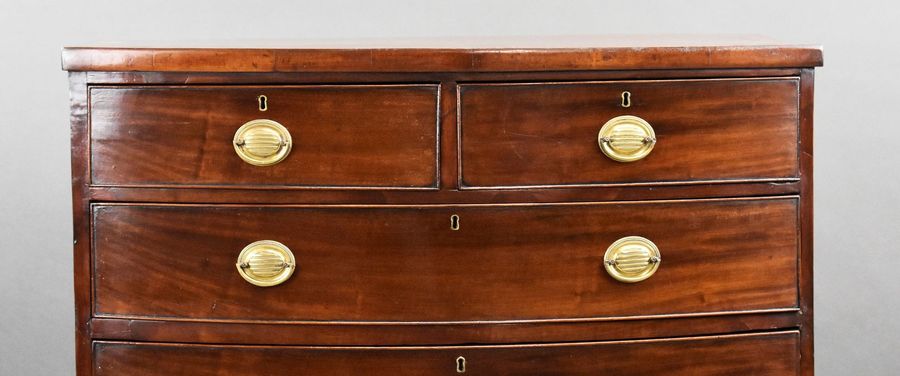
[561, 206]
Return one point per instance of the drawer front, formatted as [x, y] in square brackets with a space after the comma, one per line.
[773, 354]
[343, 136]
[546, 134]
[504, 262]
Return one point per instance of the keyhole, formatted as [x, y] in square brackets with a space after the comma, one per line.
[460, 365]
[454, 222]
[626, 99]
[263, 102]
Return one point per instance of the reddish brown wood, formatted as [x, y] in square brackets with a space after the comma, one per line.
[770, 354]
[541, 134]
[344, 135]
[448, 147]
[528, 262]
[457, 55]
[448, 195]
[806, 221]
[283, 78]
[399, 334]
[81, 230]
[771, 292]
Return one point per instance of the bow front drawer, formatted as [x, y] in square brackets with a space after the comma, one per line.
[771, 354]
[450, 262]
[376, 136]
[628, 132]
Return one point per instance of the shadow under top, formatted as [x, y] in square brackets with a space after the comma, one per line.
[473, 54]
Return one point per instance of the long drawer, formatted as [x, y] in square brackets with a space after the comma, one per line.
[370, 136]
[439, 263]
[628, 132]
[770, 354]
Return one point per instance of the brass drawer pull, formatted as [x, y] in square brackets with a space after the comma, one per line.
[632, 259]
[626, 138]
[262, 142]
[266, 263]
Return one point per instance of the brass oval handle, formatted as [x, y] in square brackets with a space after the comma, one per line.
[266, 263]
[262, 142]
[626, 138]
[632, 259]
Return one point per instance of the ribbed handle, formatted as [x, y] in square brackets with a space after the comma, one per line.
[626, 138]
[632, 259]
[266, 263]
[262, 142]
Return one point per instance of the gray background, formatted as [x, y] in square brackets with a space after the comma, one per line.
[857, 111]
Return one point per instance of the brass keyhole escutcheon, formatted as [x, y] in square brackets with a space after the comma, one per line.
[626, 138]
[266, 263]
[454, 222]
[626, 99]
[263, 102]
[461, 365]
[262, 142]
[632, 259]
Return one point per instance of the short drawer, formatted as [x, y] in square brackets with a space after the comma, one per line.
[443, 263]
[380, 136]
[770, 354]
[549, 134]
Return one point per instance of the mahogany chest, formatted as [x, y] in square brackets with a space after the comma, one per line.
[558, 206]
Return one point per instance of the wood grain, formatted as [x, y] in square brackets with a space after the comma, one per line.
[343, 135]
[807, 353]
[403, 334]
[81, 220]
[299, 195]
[545, 134]
[403, 263]
[161, 217]
[771, 354]
[454, 55]
[307, 78]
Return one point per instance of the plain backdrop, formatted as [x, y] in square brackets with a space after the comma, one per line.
[857, 202]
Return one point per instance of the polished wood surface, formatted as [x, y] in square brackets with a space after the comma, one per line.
[540, 134]
[365, 136]
[287, 195]
[81, 224]
[453, 55]
[770, 354]
[439, 333]
[523, 262]
[807, 355]
[449, 79]
[497, 287]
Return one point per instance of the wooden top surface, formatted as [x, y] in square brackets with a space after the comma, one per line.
[473, 54]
